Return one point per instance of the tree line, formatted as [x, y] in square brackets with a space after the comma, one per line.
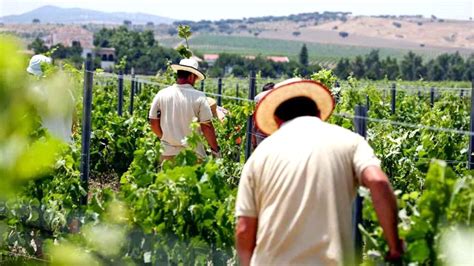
[411, 67]
[240, 66]
[72, 53]
[140, 50]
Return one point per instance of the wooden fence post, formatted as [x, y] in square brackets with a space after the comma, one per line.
[202, 85]
[248, 143]
[237, 90]
[120, 93]
[394, 97]
[219, 92]
[432, 96]
[86, 128]
[471, 129]
[360, 123]
[132, 92]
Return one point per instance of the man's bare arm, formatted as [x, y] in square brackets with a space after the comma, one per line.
[246, 238]
[385, 204]
[210, 134]
[156, 127]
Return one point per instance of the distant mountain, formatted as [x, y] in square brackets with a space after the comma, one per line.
[53, 14]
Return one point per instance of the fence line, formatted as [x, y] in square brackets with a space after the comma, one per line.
[239, 81]
[229, 97]
[415, 159]
[107, 74]
[227, 84]
[403, 124]
[344, 115]
[157, 84]
[154, 83]
[416, 89]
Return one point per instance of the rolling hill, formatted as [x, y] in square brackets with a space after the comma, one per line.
[53, 14]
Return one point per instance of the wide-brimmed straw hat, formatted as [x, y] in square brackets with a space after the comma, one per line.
[286, 90]
[189, 65]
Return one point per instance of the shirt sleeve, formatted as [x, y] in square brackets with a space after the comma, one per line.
[155, 109]
[204, 110]
[245, 204]
[364, 157]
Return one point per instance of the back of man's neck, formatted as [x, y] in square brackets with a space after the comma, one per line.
[183, 82]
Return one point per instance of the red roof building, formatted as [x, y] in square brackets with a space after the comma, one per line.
[279, 59]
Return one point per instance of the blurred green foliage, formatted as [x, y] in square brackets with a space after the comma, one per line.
[182, 212]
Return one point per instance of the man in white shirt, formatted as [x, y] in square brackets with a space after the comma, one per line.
[58, 123]
[294, 202]
[174, 108]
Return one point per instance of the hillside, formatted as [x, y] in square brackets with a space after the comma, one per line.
[52, 14]
[380, 32]
[422, 35]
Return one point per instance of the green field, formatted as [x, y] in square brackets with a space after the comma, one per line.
[262, 46]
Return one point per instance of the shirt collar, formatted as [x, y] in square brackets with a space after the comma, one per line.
[301, 118]
[184, 86]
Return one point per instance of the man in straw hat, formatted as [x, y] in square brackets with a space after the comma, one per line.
[174, 108]
[294, 201]
[257, 135]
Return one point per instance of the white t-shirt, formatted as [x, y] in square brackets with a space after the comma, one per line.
[59, 126]
[300, 183]
[56, 119]
[176, 106]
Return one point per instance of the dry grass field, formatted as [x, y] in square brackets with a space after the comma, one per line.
[414, 34]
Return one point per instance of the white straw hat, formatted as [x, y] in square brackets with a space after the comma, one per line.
[189, 65]
[35, 64]
[288, 89]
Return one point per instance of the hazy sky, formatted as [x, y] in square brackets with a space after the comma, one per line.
[215, 9]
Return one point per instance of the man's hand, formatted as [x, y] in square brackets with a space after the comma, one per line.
[216, 154]
[210, 134]
[246, 238]
[385, 205]
[156, 127]
[394, 256]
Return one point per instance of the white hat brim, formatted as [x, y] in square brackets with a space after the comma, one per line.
[265, 112]
[34, 71]
[193, 70]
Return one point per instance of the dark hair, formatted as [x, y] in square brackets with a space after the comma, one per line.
[181, 74]
[268, 86]
[295, 107]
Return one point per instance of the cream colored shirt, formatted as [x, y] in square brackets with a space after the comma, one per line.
[176, 106]
[300, 183]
